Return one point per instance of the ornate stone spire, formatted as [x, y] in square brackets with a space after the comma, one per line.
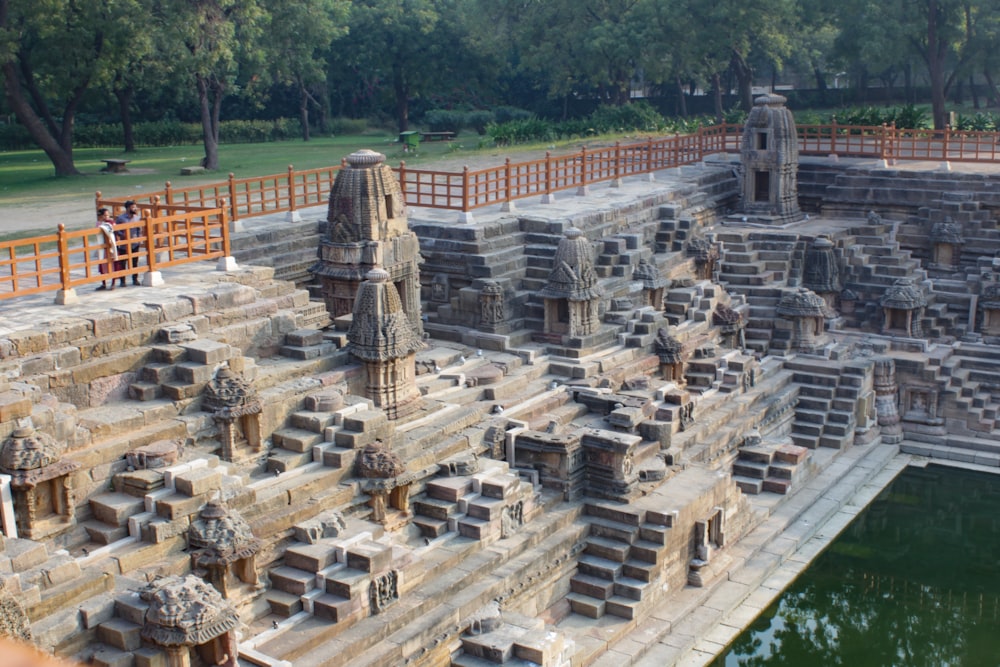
[381, 336]
[573, 277]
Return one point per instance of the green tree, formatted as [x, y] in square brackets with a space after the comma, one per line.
[396, 41]
[51, 53]
[210, 42]
[299, 43]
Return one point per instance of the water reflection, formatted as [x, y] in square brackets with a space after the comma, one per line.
[914, 580]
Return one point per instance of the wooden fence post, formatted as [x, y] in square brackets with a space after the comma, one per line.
[291, 190]
[582, 189]
[833, 135]
[232, 196]
[225, 230]
[151, 243]
[617, 180]
[649, 156]
[168, 193]
[63, 257]
[402, 182]
[465, 189]
[508, 189]
[547, 196]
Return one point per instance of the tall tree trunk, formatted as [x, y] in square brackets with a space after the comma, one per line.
[973, 92]
[744, 81]
[993, 93]
[304, 111]
[61, 159]
[682, 104]
[821, 88]
[402, 92]
[124, 96]
[717, 97]
[209, 134]
[934, 56]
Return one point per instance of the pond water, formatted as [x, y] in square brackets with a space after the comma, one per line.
[914, 580]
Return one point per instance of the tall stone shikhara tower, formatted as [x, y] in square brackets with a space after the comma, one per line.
[367, 227]
[769, 163]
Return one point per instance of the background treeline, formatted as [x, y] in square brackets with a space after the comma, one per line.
[138, 72]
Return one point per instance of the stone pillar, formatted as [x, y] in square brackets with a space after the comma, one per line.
[887, 400]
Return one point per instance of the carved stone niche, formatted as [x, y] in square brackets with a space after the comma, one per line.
[187, 615]
[920, 405]
[989, 307]
[40, 483]
[222, 544]
[383, 591]
[903, 307]
[709, 537]
[946, 245]
[669, 351]
[492, 313]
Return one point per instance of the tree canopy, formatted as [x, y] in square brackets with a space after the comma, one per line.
[65, 61]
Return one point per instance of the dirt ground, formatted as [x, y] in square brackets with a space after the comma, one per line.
[76, 207]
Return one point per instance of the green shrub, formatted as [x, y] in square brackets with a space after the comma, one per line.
[637, 116]
[444, 120]
[909, 117]
[14, 137]
[525, 131]
[478, 120]
[504, 114]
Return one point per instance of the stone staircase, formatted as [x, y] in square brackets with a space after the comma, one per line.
[825, 415]
[770, 467]
[624, 558]
[486, 506]
[290, 251]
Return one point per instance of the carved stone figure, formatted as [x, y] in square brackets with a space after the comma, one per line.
[383, 591]
[491, 306]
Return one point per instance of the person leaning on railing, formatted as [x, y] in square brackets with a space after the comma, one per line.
[130, 214]
[107, 226]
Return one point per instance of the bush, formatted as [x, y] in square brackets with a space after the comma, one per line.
[444, 120]
[505, 114]
[980, 122]
[478, 120]
[637, 116]
[521, 131]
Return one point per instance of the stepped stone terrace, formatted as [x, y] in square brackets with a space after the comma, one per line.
[584, 432]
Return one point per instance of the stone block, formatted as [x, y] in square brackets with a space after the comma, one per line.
[311, 557]
[120, 633]
[205, 351]
[194, 373]
[365, 420]
[130, 607]
[498, 487]
[96, 610]
[177, 506]
[350, 584]
[14, 405]
[112, 657]
[198, 481]
[160, 530]
[283, 604]
[150, 657]
[369, 557]
[304, 337]
[115, 508]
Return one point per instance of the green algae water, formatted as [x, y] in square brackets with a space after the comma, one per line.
[914, 581]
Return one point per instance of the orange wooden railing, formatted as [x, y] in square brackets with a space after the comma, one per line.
[70, 259]
[189, 224]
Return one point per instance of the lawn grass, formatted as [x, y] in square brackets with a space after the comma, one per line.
[27, 176]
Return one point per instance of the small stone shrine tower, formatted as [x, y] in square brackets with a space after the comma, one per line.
[236, 408]
[222, 544]
[821, 273]
[572, 295]
[803, 314]
[383, 338]
[40, 481]
[903, 307]
[769, 162]
[186, 614]
[367, 227]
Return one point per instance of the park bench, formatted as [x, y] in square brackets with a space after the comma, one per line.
[437, 136]
[115, 165]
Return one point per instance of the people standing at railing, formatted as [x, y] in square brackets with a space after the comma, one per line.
[130, 214]
[106, 224]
